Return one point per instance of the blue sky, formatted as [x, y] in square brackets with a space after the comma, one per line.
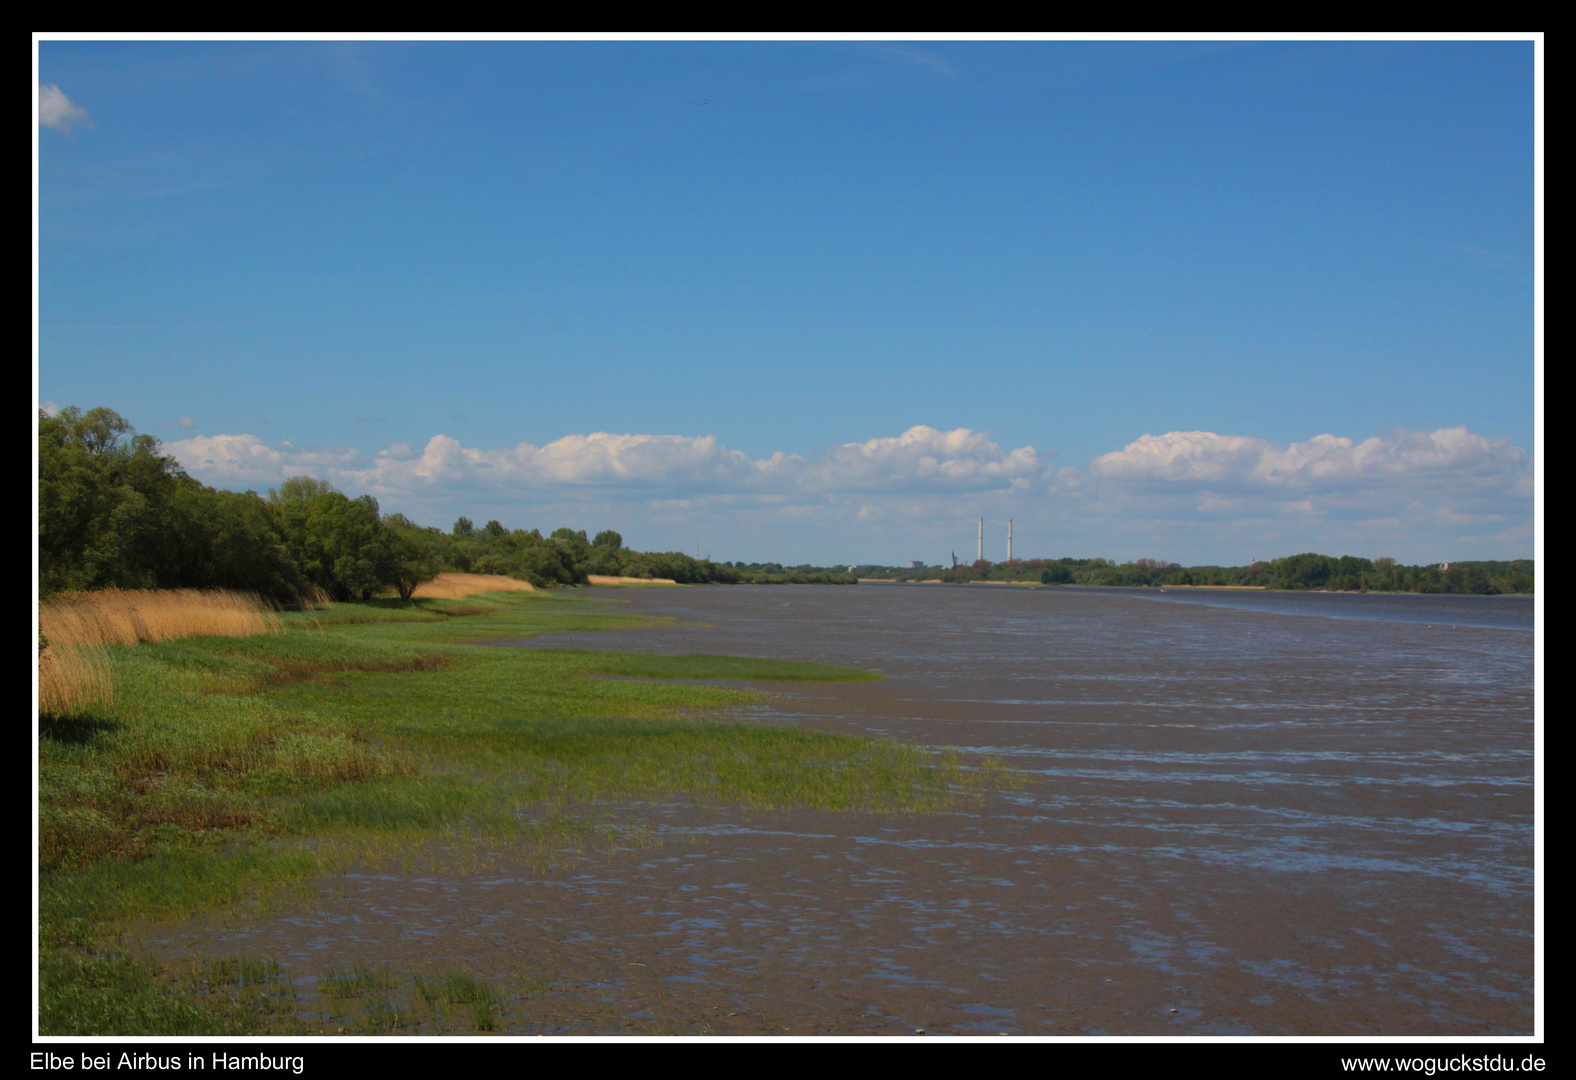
[825, 301]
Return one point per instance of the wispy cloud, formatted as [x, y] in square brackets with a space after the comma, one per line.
[55, 110]
[929, 59]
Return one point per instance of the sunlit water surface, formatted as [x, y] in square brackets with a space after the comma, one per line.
[1234, 814]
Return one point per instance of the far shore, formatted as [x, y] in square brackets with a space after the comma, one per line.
[1044, 584]
[1214, 588]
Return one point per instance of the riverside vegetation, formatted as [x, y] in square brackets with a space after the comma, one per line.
[115, 511]
[221, 772]
[1309, 571]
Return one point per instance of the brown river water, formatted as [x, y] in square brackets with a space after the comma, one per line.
[1238, 815]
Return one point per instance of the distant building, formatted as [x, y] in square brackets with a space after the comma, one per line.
[916, 564]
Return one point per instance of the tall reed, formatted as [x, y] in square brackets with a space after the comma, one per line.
[127, 616]
[73, 679]
[73, 668]
[456, 586]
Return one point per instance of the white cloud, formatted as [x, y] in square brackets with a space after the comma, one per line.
[187, 422]
[1239, 461]
[922, 457]
[1186, 496]
[246, 459]
[596, 460]
[55, 110]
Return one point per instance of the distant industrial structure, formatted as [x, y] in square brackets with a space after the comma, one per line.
[919, 564]
[980, 551]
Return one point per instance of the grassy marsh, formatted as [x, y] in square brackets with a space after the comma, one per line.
[231, 771]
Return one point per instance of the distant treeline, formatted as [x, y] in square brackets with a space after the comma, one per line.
[1309, 571]
[116, 511]
[777, 574]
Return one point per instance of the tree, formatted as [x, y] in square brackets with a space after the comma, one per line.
[300, 487]
[102, 490]
[412, 558]
[225, 540]
[607, 538]
[339, 544]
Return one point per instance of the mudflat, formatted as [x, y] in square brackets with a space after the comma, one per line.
[1212, 821]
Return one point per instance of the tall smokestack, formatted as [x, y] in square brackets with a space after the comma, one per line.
[982, 539]
[1009, 539]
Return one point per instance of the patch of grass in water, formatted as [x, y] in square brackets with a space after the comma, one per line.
[360, 979]
[96, 993]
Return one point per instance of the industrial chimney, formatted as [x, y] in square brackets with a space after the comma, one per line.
[1009, 539]
[982, 539]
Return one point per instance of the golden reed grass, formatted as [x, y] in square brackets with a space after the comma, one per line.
[609, 579]
[127, 616]
[73, 669]
[72, 679]
[455, 586]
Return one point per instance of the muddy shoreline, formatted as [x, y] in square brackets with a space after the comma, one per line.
[1225, 823]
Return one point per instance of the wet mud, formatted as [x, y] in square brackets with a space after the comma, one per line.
[1224, 822]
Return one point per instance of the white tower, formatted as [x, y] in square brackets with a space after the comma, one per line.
[982, 539]
[1009, 539]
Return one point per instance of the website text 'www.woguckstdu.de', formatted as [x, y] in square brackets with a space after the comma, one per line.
[1428, 1066]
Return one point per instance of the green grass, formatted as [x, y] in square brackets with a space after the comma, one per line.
[231, 770]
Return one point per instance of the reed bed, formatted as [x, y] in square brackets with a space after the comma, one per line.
[127, 616]
[73, 679]
[611, 579]
[457, 586]
[73, 667]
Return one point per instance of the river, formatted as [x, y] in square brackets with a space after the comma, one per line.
[1236, 814]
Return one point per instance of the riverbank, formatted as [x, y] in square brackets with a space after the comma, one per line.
[232, 774]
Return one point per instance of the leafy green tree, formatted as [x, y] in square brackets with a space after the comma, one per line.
[102, 490]
[607, 538]
[412, 554]
[226, 540]
[300, 487]
[339, 543]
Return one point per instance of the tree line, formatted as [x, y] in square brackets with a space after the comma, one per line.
[115, 511]
[1308, 571]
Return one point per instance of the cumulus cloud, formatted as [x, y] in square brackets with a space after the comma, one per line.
[1181, 495]
[246, 459]
[1204, 457]
[922, 457]
[55, 110]
[599, 460]
[187, 422]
